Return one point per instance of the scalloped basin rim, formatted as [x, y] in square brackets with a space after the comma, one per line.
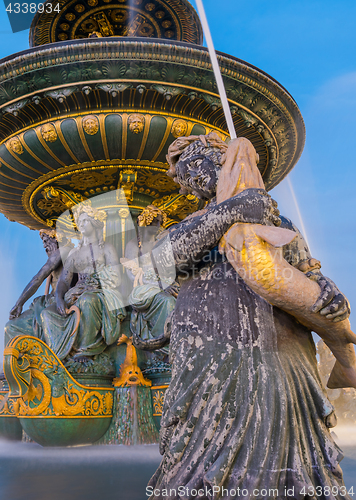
[132, 40]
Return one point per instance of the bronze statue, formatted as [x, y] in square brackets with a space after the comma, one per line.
[245, 409]
[95, 294]
[25, 323]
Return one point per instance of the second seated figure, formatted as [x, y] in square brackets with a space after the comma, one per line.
[152, 299]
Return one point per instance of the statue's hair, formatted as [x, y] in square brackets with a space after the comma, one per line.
[209, 144]
[97, 218]
[86, 207]
[52, 244]
[51, 233]
[149, 213]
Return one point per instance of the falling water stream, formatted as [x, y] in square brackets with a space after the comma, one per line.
[216, 68]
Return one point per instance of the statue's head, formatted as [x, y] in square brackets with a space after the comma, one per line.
[179, 128]
[89, 220]
[49, 239]
[90, 124]
[48, 132]
[195, 163]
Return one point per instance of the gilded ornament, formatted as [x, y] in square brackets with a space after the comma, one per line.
[150, 7]
[15, 145]
[179, 128]
[130, 372]
[89, 179]
[160, 182]
[160, 14]
[166, 24]
[79, 8]
[169, 33]
[105, 27]
[136, 123]
[48, 132]
[127, 180]
[63, 36]
[92, 3]
[70, 16]
[64, 26]
[90, 124]
[49, 390]
[119, 15]
[57, 200]
[158, 400]
[124, 213]
[149, 213]
[145, 29]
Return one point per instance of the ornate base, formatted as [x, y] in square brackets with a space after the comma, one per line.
[53, 408]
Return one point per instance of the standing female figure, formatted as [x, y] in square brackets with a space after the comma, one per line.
[245, 410]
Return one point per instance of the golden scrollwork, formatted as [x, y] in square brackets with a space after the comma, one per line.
[57, 200]
[82, 402]
[179, 128]
[157, 400]
[6, 405]
[52, 391]
[91, 178]
[149, 213]
[160, 182]
[15, 145]
[48, 132]
[38, 397]
[136, 123]
[90, 124]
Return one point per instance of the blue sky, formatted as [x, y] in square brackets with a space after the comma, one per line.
[309, 46]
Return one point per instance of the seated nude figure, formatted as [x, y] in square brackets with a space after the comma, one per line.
[26, 323]
[95, 294]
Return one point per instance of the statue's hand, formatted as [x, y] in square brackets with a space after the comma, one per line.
[331, 302]
[173, 289]
[61, 307]
[257, 207]
[15, 312]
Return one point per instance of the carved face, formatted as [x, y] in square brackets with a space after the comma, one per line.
[198, 175]
[48, 132]
[85, 224]
[90, 124]
[16, 146]
[49, 244]
[136, 123]
[179, 128]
